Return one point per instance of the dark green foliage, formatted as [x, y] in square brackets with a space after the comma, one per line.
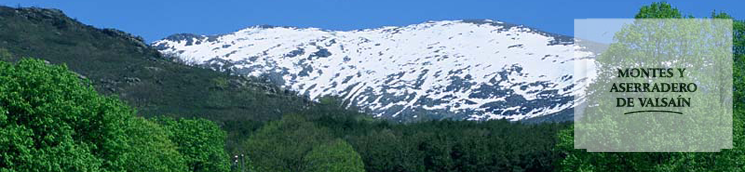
[120, 64]
[71, 128]
[659, 10]
[281, 145]
[426, 146]
[456, 146]
[333, 156]
[200, 141]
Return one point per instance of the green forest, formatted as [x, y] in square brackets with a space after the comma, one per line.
[78, 98]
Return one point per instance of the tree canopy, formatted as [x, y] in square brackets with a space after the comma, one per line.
[52, 120]
[201, 142]
[333, 156]
[726, 160]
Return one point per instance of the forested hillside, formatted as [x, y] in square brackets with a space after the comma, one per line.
[267, 128]
[78, 98]
[122, 65]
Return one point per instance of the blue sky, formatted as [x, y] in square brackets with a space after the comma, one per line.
[157, 19]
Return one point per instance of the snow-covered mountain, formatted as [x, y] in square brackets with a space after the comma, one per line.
[463, 69]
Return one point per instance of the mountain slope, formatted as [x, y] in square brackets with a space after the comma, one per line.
[120, 64]
[464, 69]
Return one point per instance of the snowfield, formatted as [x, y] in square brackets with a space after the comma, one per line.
[461, 69]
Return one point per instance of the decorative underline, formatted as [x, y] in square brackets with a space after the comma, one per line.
[647, 111]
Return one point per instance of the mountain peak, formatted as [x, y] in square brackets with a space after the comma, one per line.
[462, 69]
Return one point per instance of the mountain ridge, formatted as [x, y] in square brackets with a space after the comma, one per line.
[176, 36]
[300, 56]
[123, 65]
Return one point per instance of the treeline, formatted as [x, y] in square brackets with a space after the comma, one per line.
[251, 114]
[51, 119]
[496, 145]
